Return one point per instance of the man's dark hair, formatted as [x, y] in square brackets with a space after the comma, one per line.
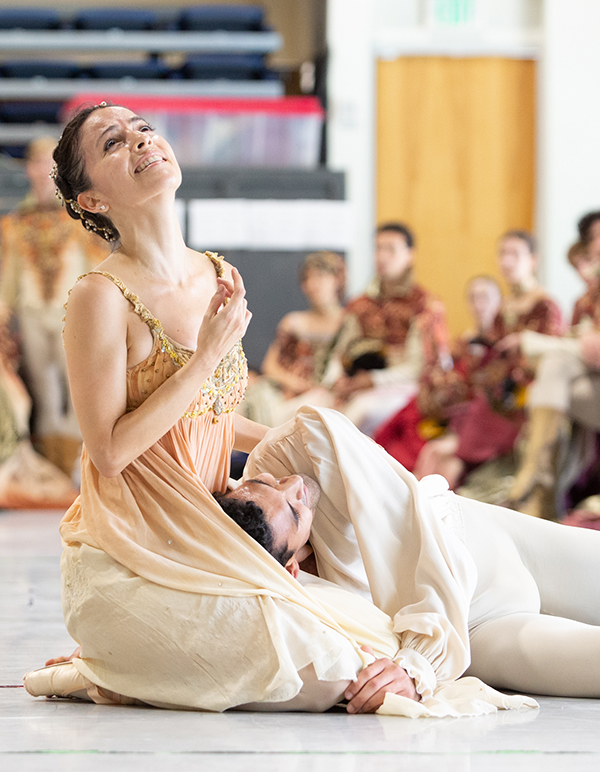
[585, 225]
[251, 518]
[401, 229]
[525, 236]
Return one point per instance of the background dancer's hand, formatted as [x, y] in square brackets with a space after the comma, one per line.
[225, 322]
[367, 693]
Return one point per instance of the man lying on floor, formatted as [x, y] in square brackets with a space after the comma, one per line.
[454, 585]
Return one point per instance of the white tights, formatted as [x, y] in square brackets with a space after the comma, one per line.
[535, 615]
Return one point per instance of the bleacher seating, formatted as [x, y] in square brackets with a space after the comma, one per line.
[30, 112]
[35, 69]
[228, 18]
[229, 66]
[29, 18]
[132, 19]
[209, 61]
[151, 70]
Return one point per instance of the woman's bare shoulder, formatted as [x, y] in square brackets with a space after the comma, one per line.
[294, 322]
[95, 294]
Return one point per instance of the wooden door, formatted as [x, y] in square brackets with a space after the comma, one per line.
[455, 160]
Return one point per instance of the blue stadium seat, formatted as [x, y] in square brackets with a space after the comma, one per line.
[32, 69]
[30, 112]
[152, 70]
[227, 66]
[230, 18]
[29, 18]
[13, 151]
[131, 19]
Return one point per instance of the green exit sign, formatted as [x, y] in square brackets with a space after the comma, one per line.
[454, 12]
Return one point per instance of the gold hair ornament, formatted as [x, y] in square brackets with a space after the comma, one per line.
[88, 223]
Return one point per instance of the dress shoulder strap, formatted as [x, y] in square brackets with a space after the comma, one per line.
[139, 308]
[217, 261]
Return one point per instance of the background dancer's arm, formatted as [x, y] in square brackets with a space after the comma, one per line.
[95, 340]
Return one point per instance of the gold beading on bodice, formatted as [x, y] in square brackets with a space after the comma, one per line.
[220, 393]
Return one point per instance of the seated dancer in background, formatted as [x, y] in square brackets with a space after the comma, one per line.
[489, 424]
[462, 586]
[296, 362]
[27, 480]
[390, 334]
[43, 251]
[443, 392]
[564, 400]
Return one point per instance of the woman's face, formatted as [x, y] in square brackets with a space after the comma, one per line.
[587, 263]
[516, 261]
[320, 288]
[125, 160]
[484, 300]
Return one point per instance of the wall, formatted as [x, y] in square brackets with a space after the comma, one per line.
[569, 131]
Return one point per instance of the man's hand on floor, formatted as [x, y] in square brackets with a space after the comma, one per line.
[367, 693]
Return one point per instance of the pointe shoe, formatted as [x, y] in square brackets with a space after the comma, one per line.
[59, 680]
[64, 680]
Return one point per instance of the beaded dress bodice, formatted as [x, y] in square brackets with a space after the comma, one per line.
[219, 394]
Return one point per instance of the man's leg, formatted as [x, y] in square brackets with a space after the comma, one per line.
[538, 654]
[525, 567]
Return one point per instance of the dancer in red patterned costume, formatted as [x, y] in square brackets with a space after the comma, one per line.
[487, 416]
[396, 322]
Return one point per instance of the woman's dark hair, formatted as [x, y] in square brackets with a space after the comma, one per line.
[251, 518]
[525, 236]
[325, 262]
[584, 225]
[400, 229]
[71, 178]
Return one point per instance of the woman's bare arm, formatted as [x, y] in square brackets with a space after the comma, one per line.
[96, 346]
[247, 433]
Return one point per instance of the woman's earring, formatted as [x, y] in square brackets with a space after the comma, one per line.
[103, 207]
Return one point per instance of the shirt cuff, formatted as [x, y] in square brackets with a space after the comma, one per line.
[419, 669]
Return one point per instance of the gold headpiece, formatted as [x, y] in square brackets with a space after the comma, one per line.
[88, 223]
